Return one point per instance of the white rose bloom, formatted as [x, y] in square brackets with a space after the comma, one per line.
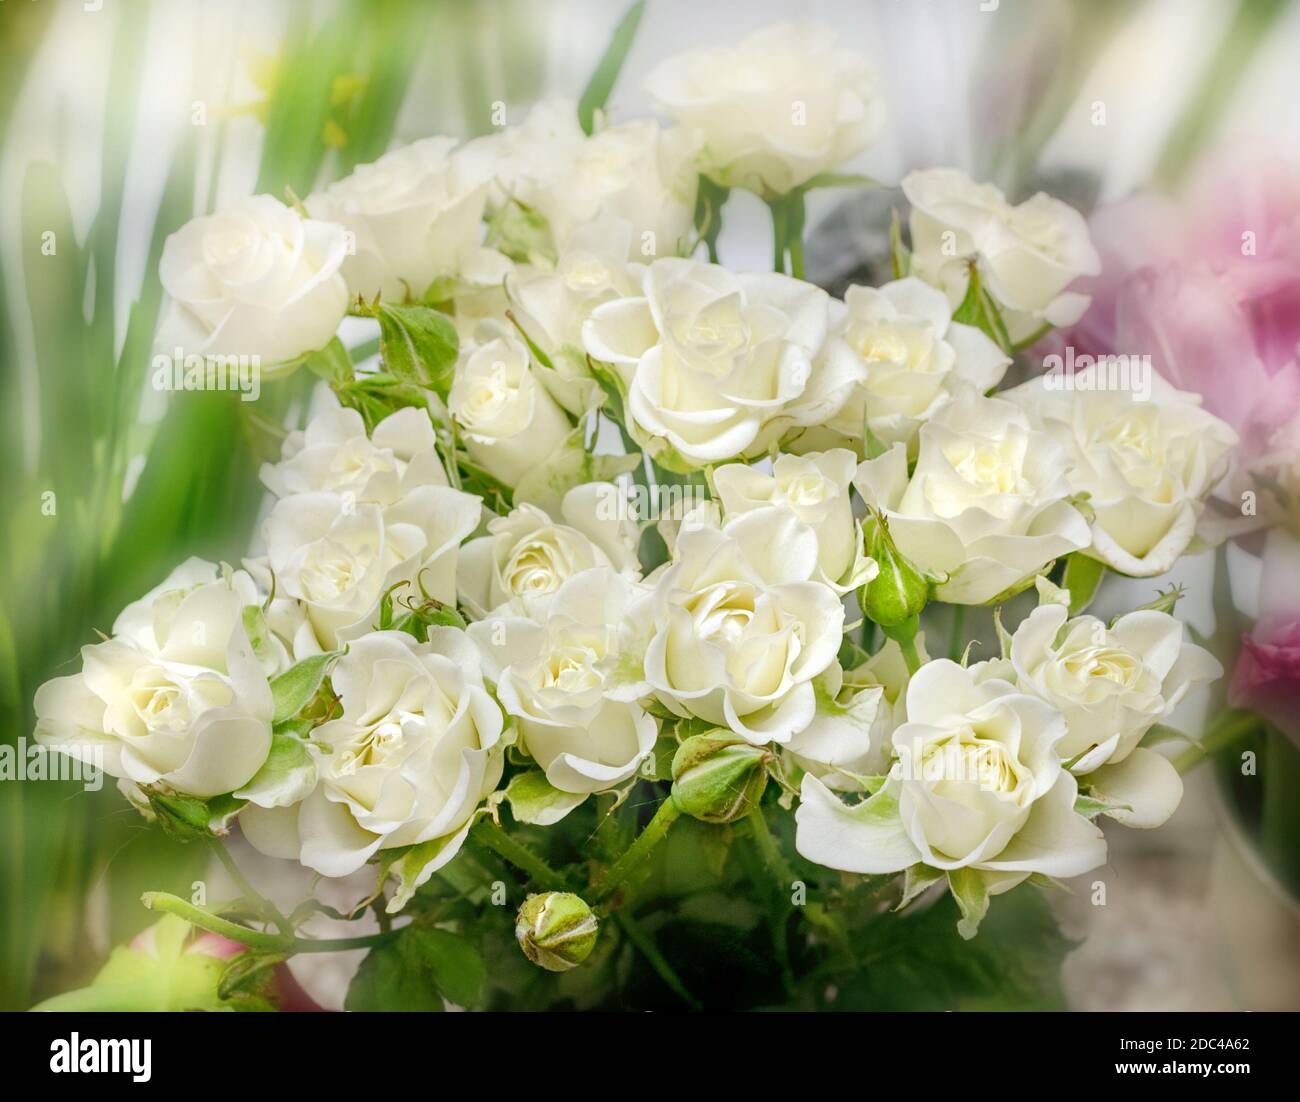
[1028, 255]
[510, 421]
[857, 711]
[773, 111]
[572, 681]
[717, 363]
[256, 279]
[526, 556]
[815, 487]
[1146, 464]
[740, 627]
[591, 269]
[332, 559]
[415, 214]
[986, 506]
[524, 162]
[633, 172]
[335, 454]
[416, 750]
[914, 356]
[176, 697]
[978, 785]
[1113, 684]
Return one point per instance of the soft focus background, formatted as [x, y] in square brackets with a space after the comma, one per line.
[121, 119]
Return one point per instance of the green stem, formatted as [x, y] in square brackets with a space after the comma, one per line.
[768, 847]
[910, 654]
[341, 944]
[205, 920]
[796, 256]
[257, 939]
[1222, 733]
[647, 948]
[638, 851]
[778, 236]
[957, 640]
[268, 908]
[492, 837]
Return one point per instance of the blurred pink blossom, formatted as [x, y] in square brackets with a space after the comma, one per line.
[1209, 287]
[1267, 676]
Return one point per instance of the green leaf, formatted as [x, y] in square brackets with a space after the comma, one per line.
[917, 961]
[1083, 576]
[602, 80]
[418, 345]
[416, 970]
[287, 776]
[534, 800]
[298, 684]
[971, 892]
[333, 363]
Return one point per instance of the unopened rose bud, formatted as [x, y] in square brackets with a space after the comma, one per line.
[718, 777]
[899, 591]
[556, 930]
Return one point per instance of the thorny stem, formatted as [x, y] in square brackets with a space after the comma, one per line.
[638, 851]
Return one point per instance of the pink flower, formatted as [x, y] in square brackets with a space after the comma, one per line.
[1267, 677]
[1209, 288]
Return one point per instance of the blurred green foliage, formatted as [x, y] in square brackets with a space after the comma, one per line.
[96, 507]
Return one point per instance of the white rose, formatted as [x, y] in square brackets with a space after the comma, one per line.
[815, 487]
[986, 505]
[524, 162]
[740, 627]
[332, 559]
[511, 422]
[334, 454]
[978, 785]
[176, 697]
[774, 111]
[914, 356]
[1147, 464]
[572, 681]
[414, 213]
[1028, 255]
[857, 711]
[416, 750]
[717, 363]
[1113, 684]
[256, 279]
[633, 172]
[591, 269]
[526, 556]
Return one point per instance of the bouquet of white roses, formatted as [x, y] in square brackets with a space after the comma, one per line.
[606, 594]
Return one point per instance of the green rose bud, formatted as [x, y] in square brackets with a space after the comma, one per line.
[556, 930]
[718, 776]
[900, 590]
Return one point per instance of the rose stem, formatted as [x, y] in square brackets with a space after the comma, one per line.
[638, 851]
[492, 837]
[1224, 731]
